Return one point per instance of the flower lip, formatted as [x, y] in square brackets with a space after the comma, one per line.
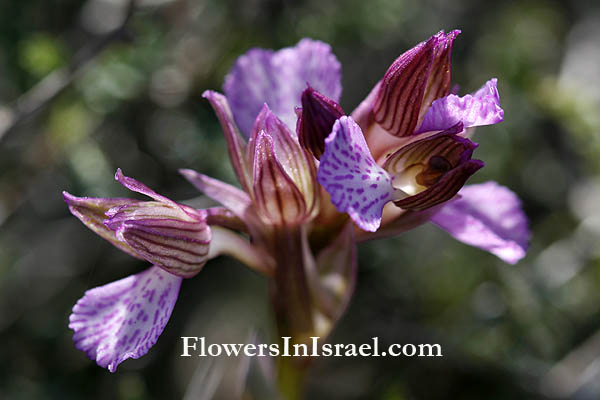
[355, 183]
[124, 319]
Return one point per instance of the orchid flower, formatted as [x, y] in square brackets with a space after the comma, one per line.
[312, 183]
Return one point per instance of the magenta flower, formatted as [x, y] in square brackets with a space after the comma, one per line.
[313, 182]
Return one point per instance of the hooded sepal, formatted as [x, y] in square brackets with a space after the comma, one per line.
[163, 235]
[277, 197]
[432, 170]
[413, 81]
[438, 81]
[316, 120]
[172, 236]
[123, 319]
[293, 169]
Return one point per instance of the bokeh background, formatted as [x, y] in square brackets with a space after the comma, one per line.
[89, 86]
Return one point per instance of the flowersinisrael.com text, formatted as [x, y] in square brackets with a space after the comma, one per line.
[193, 345]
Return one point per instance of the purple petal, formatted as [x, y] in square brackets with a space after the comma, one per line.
[163, 235]
[92, 212]
[124, 319]
[319, 113]
[278, 79]
[349, 174]
[488, 216]
[235, 143]
[477, 109]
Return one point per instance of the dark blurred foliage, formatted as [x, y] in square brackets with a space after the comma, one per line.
[89, 86]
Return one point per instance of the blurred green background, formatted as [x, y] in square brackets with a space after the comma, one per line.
[89, 86]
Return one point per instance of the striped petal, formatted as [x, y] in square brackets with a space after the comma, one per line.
[277, 197]
[124, 319]
[432, 170]
[92, 212]
[278, 79]
[163, 235]
[477, 109]
[349, 174]
[316, 120]
[488, 216]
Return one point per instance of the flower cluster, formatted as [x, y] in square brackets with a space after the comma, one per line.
[313, 182]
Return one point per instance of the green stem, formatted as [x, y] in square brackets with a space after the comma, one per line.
[291, 374]
[293, 305]
[290, 291]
